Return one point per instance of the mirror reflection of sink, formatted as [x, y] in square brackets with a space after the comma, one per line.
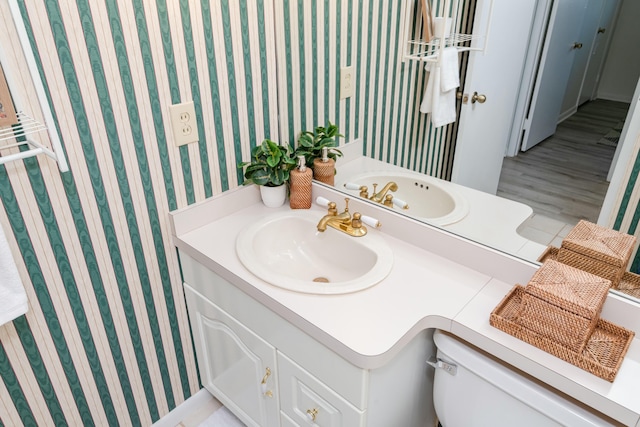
[286, 250]
[429, 199]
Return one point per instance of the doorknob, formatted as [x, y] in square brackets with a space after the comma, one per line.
[463, 96]
[478, 98]
[577, 45]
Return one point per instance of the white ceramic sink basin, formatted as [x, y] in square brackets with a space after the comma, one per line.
[286, 250]
[430, 199]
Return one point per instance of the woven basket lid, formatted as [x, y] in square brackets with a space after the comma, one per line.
[604, 244]
[573, 289]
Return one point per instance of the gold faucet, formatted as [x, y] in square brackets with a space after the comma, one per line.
[343, 221]
[379, 197]
[382, 196]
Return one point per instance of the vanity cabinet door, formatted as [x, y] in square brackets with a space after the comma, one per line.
[308, 402]
[236, 366]
[285, 421]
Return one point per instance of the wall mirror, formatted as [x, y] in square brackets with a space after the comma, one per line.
[487, 160]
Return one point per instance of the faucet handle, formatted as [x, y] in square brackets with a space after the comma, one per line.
[400, 203]
[352, 186]
[356, 222]
[364, 192]
[332, 210]
[372, 222]
[321, 201]
[325, 203]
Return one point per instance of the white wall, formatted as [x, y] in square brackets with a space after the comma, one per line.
[622, 68]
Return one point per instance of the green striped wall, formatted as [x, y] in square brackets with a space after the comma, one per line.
[106, 340]
[316, 38]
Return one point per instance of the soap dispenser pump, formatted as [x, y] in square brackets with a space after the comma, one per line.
[324, 168]
[301, 178]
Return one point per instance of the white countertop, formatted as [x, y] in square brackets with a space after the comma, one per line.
[438, 281]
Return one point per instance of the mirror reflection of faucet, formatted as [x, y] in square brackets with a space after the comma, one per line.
[345, 222]
[380, 197]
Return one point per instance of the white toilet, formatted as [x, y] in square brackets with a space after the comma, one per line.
[472, 389]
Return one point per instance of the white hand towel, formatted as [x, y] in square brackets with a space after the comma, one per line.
[433, 79]
[449, 75]
[439, 102]
[13, 299]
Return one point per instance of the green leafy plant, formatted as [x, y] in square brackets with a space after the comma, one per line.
[310, 144]
[270, 164]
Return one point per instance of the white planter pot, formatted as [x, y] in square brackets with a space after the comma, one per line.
[273, 197]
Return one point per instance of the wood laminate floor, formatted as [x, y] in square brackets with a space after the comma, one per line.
[565, 176]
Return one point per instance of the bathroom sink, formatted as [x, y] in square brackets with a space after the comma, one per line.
[286, 250]
[430, 199]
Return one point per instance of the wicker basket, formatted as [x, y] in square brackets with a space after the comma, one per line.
[630, 284]
[592, 265]
[598, 250]
[563, 304]
[567, 287]
[602, 355]
[555, 323]
[550, 253]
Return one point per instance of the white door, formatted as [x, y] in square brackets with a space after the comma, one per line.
[484, 128]
[596, 63]
[555, 69]
[588, 31]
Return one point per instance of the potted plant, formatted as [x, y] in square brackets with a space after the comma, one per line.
[310, 144]
[269, 168]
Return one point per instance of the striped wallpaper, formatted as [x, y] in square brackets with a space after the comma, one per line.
[316, 38]
[106, 340]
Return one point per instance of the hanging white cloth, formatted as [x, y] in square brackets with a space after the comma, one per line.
[13, 299]
[440, 95]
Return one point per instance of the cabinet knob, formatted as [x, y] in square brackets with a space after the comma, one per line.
[263, 383]
[311, 414]
[577, 45]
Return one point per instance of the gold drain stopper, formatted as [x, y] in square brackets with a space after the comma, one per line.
[321, 280]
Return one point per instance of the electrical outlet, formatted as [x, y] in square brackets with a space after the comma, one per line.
[347, 82]
[183, 122]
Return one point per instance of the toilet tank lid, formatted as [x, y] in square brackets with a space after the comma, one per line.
[451, 345]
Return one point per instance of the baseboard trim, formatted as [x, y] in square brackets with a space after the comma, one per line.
[615, 97]
[185, 410]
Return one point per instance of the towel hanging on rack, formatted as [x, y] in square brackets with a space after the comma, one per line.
[13, 299]
[440, 95]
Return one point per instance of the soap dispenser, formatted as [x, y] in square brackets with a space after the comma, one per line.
[300, 178]
[324, 169]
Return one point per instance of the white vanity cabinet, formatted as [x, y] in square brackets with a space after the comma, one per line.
[236, 365]
[306, 400]
[359, 359]
[237, 338]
